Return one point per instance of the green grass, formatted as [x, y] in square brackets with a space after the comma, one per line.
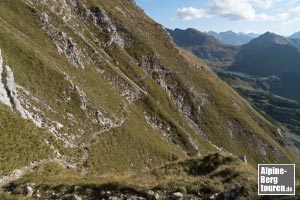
[136, 145]
[21, 142]
[132, 147]
[4, 196]
[206, 175]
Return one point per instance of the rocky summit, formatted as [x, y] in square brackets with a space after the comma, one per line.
[98, 102]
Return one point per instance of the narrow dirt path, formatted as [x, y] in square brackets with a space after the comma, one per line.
[95, 135]
[92, 139]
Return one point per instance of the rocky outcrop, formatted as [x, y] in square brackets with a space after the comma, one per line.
[189, 101]
[100, 18]
[12, 91]
[78, 56]
[65, 44]
[26, 109]
[9, 94]
[3, 93]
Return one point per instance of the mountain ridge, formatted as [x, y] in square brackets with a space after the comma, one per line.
[270, 37]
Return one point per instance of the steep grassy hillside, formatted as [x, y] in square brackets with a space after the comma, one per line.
[21, 142]
[103, 90]
[281, 111]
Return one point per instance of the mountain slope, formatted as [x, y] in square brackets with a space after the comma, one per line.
[204, 46]
[197, 178]
[280, 110]
[112, 94]
[272, 54]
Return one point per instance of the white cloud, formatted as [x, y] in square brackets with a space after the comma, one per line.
[291, 15]
[238, 10]
[232, 9]
[293, 1]
[288, 16]
[264, 4]
[190, 13]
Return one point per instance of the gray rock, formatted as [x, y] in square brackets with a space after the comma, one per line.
[77, 197]
[177, 195]
[152, 195]
[77, 188]
[113, 198]
[29, 191]
[214, 196]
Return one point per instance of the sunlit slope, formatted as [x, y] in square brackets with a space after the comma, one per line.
[114, 94]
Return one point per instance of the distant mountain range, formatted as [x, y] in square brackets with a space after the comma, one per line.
[272, 54]
[267, 55]
[204, 46]
[266, 71]
[232, 38]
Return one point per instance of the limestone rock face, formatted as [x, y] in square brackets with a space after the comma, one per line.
[3, 93]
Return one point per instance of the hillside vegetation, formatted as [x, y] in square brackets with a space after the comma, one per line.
[94, 88]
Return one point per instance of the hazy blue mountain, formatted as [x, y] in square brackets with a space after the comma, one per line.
[295, 35]
[252, 35]
[213, 33]
[232, 38]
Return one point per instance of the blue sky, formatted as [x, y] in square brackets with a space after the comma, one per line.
[258, 16]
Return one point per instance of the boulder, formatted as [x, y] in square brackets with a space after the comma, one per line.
[177, 195]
